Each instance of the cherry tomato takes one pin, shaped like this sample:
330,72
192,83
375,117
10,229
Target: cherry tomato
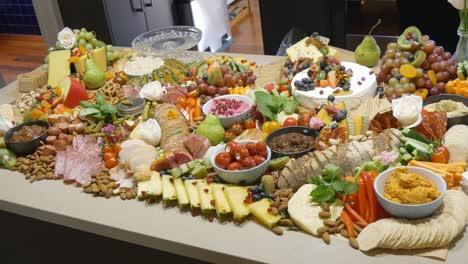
231,148
290,121
108,156
249,124
248,163
107,149
270,126
251,147
269,87
444,150
261,148
237,129
223,160
242,153
439,157
258,159
111,163
234,166
116,148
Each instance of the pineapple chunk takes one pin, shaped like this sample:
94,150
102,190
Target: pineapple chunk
181,193
235,196
151,187
357,120
324,116
260,210
221,204
192,191
169,192
206,196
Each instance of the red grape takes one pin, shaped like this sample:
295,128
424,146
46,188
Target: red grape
412,88
432,58
446,55
428,84
440,76
439,50
243,77
426,65
440,86
451,61
251,79
223,90
211,90
395,71
199,81
452,69
420,82
446,76
443,65
224,69
202,88
428,46
435,66
249,72
434,91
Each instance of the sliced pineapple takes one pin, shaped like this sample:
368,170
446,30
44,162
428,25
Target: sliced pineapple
221,203
206,197
260,210
192,191
169,192
181,193
150,188
235,196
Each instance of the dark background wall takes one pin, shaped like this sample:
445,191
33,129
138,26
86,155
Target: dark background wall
18,17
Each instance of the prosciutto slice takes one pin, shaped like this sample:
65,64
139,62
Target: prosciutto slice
80,161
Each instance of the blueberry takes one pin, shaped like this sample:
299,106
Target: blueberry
411,57
340,116
309,73
315,34
398,76
255,190
334,126
326,69
256,197
205,76
271,196
290,72
342,68
184,178
346,86
331,98
345,112
299,84
322,65
263,195
306,80
310,86
415,37
381,95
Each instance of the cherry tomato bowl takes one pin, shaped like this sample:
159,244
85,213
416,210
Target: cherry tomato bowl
242,176
228,121
307,131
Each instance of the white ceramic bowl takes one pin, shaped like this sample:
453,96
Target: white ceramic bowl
228,121
244,177
410,211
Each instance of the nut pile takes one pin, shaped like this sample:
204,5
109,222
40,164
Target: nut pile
28,100
36,167
105,186
279,205
336,227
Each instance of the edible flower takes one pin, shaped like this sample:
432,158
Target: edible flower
108,129
342,76
66,38
172,114
387,157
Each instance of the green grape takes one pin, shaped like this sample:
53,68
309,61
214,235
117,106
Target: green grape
89,46
82,42
57,45
109,54
83,30
89,36
100,44
406,86
393,81
419,72
45,67
82,35
93,42
50,49
109,47
404,80
76,31
46,60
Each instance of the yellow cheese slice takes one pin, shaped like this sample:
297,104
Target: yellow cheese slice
99,57
59,67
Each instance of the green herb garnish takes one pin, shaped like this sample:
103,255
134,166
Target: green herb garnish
271,105
100,110
330,185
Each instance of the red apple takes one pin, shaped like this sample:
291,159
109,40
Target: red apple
73,92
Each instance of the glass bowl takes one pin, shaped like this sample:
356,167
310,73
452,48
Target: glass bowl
164,41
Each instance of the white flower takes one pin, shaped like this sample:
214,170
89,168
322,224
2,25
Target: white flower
459,4
67,38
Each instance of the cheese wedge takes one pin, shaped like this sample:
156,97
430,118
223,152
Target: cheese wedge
59,67
100,58
305,214
301,50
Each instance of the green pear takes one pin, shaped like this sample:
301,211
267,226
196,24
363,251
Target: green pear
368,52
93,77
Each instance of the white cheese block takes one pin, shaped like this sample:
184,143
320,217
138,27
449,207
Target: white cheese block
301,50
305,214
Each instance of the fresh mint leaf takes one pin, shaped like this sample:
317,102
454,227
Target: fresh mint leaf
338,186
317,180
88,111
332,173
107,109
290,106
350,187
323,194
266,111
98,116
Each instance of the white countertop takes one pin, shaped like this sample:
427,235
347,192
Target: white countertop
170,230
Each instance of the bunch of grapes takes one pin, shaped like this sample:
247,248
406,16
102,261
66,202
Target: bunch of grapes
432,74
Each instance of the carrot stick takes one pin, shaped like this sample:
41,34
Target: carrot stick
422,165
190,112
371,197
362,198
354,214
348,223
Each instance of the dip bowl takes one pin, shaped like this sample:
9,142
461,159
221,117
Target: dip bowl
410,211
243,177
457,98
228,121
26,147
307,131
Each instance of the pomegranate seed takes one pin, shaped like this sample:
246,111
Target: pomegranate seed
359,82
206,190
321,92
210,218
194,183
212,202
